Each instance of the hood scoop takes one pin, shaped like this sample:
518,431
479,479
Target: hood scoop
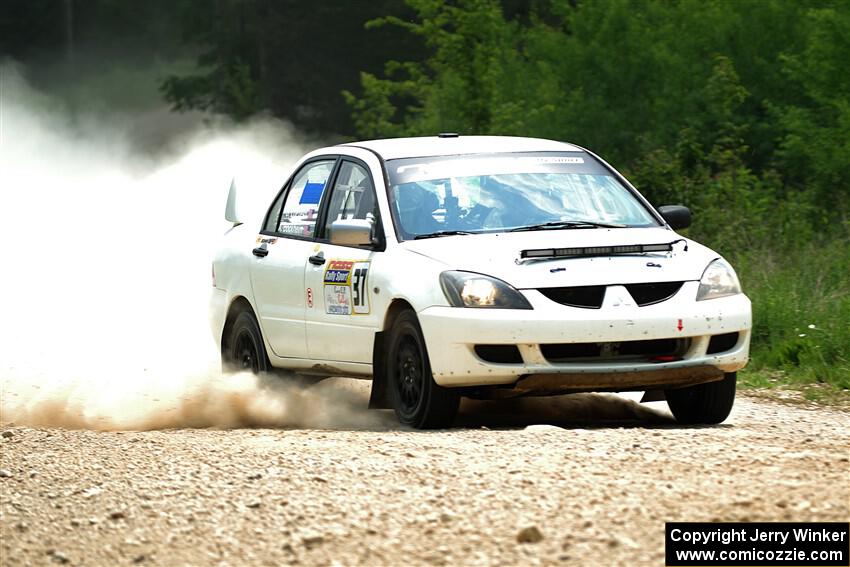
590,251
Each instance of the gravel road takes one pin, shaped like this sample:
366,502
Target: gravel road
589,480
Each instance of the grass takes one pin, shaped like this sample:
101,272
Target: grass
776,385
801,318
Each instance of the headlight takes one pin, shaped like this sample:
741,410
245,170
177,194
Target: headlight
467,289
718,280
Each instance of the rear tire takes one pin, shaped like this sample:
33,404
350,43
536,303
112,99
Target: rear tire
704,403
418,400
244,349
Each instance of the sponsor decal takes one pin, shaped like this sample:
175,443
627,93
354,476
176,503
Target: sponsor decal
339,272
310,297
296,229
338,299
556,159
312,193
346,288
265,240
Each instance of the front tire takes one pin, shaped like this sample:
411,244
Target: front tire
244,350
418,400
704,403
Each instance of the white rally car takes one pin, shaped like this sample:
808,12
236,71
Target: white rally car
487,267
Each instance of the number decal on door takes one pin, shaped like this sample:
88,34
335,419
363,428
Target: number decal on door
346,287
359,290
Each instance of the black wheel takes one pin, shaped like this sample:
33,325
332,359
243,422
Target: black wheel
418,400
704,403
244,349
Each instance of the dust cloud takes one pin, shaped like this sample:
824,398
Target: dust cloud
106,273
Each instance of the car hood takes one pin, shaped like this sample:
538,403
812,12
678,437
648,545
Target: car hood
497,255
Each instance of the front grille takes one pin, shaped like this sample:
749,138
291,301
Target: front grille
588,297
650,293
591,296
500,354
722,343
658,350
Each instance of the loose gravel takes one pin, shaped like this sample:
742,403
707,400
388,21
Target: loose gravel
560,482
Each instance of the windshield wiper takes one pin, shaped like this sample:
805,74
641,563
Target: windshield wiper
566,224
441,233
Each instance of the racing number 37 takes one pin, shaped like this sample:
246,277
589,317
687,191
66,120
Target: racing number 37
359,293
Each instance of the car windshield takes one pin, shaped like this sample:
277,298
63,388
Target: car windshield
438,196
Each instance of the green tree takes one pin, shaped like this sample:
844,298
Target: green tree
457,88
815,149
289,58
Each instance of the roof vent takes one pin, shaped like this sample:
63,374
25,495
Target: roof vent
448,135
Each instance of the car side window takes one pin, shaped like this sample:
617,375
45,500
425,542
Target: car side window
301,201
353,196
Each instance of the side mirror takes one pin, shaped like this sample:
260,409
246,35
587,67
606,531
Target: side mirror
676,216
351,232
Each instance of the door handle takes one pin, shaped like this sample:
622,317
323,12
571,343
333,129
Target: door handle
318,259
260,251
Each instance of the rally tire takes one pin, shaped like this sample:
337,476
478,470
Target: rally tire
417,400
244,350
707,403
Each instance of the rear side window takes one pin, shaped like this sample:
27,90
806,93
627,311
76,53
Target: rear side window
301,201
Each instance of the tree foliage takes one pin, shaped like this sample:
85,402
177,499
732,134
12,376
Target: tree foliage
714,103
287,57
815,146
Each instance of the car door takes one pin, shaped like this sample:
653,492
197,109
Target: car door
341,314
281,252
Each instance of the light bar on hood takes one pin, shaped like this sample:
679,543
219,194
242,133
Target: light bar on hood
595,250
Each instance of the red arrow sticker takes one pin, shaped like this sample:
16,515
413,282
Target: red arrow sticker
680,326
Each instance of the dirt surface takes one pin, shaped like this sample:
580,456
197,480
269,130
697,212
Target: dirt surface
594,488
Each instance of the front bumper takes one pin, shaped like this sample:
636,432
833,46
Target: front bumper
451,335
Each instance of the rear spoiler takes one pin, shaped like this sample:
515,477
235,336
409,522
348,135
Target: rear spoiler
231,213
